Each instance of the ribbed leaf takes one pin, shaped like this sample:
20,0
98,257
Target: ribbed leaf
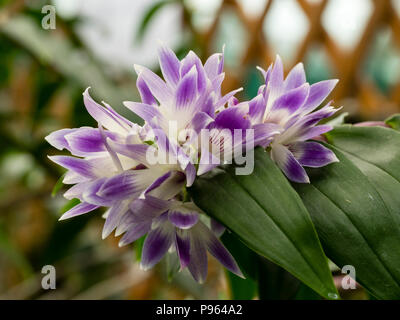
267,214
355,225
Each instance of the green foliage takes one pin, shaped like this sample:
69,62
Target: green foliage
354,206
394,122
268,215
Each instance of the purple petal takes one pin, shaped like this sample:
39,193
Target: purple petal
217,228
134,232
292,100
169,65
137,152
192,60
183,219
296,77
200,121
314,132
288,164
257,109
198,265
72,177
182,242
114,216
318,93
157,86
276,76
264,133
221,102
157,243
208,161
158,182
57,138
145,92
89,195
187,90
211,66
76,191
170,187
145,111
217,249
312,154
86,140
126,184
103,115
78,210
233,118
148,208
190,172
79,166
110,150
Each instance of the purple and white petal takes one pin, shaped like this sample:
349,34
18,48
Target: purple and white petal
183,218
145,111
145,93
217,249
182,244
186,92
264,133
79,166
211,66
78,210
318,94
103,116
288,164
89,195
148,208
126,184
312,154
192,60
296,77
86,140
290,102
198,264
134,232
57,139
169,65
156,85
274,78
113,217
157,243
217,228
257,108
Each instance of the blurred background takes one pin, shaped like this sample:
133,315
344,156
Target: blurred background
43,73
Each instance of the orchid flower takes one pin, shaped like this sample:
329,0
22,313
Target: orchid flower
112,165
286,107
185,103
101,177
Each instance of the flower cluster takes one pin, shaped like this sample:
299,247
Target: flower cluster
140,173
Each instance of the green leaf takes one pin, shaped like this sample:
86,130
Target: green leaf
57,187
275,283
269,217
394,121
241,289
354,224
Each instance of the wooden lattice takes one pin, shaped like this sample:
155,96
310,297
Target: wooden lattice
346,64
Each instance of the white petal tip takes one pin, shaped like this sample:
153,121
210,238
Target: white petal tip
138,68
